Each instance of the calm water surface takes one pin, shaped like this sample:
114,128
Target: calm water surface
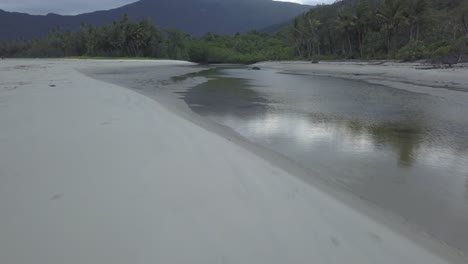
404,151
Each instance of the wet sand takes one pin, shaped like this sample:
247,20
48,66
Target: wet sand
92,172
408,76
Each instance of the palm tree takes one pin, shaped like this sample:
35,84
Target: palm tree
177,41
90,37
297,36
464,17
346,22
391,14
312,24
363,18
135,39
417,14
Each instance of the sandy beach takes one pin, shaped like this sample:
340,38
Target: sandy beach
93,172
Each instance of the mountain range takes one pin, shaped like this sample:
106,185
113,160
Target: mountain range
195,17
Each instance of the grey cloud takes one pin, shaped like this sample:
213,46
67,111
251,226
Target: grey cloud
66,7
310,2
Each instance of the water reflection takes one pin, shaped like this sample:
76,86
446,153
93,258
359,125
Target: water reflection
403,151
405,138
466,187
349,136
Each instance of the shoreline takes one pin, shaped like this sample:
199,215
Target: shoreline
167,98
405,76
262,173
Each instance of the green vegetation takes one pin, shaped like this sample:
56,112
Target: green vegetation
349,29
142,39
383,29
246,48
106,58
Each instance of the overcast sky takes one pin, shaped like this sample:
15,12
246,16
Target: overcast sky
70,7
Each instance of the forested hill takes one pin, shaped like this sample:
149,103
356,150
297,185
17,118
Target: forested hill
195,17
435,30
365,29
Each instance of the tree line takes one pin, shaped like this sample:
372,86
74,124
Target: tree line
127,38
381,29
347,29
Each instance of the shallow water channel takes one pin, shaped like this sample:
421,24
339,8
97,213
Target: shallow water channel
406,152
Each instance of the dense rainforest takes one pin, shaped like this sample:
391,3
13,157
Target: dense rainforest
349,29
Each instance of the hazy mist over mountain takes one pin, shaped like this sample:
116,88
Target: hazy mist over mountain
73,7
195,17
